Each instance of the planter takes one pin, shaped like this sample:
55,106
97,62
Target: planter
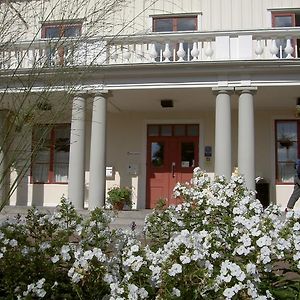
118,206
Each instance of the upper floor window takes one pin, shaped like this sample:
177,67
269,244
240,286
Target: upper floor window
50,159
61,29
181,23
287,149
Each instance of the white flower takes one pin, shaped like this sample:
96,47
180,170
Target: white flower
185,259
176,292
13,243
65,252
175,269
264,241
55,259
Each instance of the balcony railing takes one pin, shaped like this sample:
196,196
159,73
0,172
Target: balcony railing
153,48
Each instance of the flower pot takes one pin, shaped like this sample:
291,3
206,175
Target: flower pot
118,206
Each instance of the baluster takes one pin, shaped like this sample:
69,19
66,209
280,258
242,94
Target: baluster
208,50
259,49
289,49
195,52
114,54
181,52
167,53
152,52
126,53
274,49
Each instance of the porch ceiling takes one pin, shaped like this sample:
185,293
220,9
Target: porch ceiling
197,99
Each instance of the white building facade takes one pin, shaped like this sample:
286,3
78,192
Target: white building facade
144,97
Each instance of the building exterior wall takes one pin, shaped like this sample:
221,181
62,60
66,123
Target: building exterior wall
135,15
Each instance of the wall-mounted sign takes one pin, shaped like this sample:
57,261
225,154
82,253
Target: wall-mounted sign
208,151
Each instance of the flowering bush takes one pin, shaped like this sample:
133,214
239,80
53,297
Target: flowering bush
218,244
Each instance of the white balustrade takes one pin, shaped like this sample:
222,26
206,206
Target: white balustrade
209,51
289,49
181,53
152,48
274,49
167,53
259,50
195,52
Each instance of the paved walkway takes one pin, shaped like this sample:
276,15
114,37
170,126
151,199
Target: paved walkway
124,219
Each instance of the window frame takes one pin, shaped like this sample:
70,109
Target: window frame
51,175
277,179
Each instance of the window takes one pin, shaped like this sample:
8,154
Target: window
171,24
164,24
57,30
286,19
287,149
50,159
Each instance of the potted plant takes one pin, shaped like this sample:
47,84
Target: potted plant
119,196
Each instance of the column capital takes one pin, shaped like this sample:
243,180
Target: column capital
222,90
99,93
246,89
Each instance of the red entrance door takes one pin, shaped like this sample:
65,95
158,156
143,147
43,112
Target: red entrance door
171,157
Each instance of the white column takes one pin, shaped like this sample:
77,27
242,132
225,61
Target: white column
246,157
98,153
77,153
223,132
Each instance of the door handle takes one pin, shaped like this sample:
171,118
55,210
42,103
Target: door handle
173,169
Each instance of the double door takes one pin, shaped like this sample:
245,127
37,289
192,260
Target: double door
171,159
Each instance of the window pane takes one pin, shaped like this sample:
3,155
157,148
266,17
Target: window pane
193,130
283,21
286,132
166,130
186,24
52,32
153,130
70,31
61,154
286,172
287,151
187,155
40,173
179,130
163,25
157,154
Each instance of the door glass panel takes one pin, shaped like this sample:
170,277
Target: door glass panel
179,130
166,130
193,130
153,130
187,155
157,154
